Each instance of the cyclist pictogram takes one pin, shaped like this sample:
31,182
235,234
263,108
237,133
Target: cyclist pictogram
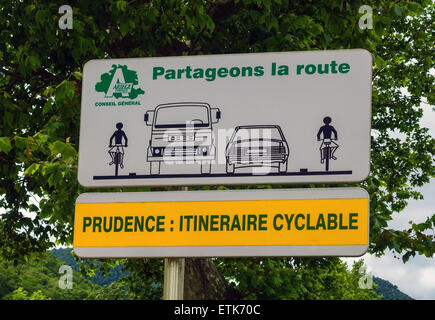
116,150
328,147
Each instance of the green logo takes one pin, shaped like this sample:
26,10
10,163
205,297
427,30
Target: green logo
119,82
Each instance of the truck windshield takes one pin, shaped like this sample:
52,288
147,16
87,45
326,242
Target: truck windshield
182,116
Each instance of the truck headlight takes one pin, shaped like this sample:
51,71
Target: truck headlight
203,151
157,152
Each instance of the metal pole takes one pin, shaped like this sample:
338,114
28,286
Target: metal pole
173,286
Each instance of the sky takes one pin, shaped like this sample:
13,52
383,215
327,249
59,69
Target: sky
416,278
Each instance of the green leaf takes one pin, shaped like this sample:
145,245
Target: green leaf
57,147
210,24
33,62
414,7
67,152
379,62
124,27
32,169
397,10
48,106
301,22
20,142
55,178
29,9
121,5
42,17
77,75
5,145
50,168
65,90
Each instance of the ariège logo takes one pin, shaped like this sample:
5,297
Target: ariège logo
119,82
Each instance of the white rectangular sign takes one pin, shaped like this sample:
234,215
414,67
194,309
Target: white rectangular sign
266,118
223,223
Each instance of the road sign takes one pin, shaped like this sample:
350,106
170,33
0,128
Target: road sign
273,222
274,118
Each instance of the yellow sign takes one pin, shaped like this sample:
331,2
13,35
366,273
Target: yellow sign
280,222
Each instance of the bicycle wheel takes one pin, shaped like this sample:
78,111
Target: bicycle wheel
117,162
326,157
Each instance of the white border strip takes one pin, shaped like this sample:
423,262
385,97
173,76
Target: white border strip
224,195
222,251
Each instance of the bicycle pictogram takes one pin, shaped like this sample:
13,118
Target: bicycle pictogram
116,150
327,147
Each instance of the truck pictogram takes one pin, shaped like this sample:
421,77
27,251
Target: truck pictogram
182,132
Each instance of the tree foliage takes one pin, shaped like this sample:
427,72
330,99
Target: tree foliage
38,279
95,275
21,294
389,291
113,291
302,279
40,85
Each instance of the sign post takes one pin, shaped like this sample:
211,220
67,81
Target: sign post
173,278
173,283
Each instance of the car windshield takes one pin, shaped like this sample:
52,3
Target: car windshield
182,116
257,134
